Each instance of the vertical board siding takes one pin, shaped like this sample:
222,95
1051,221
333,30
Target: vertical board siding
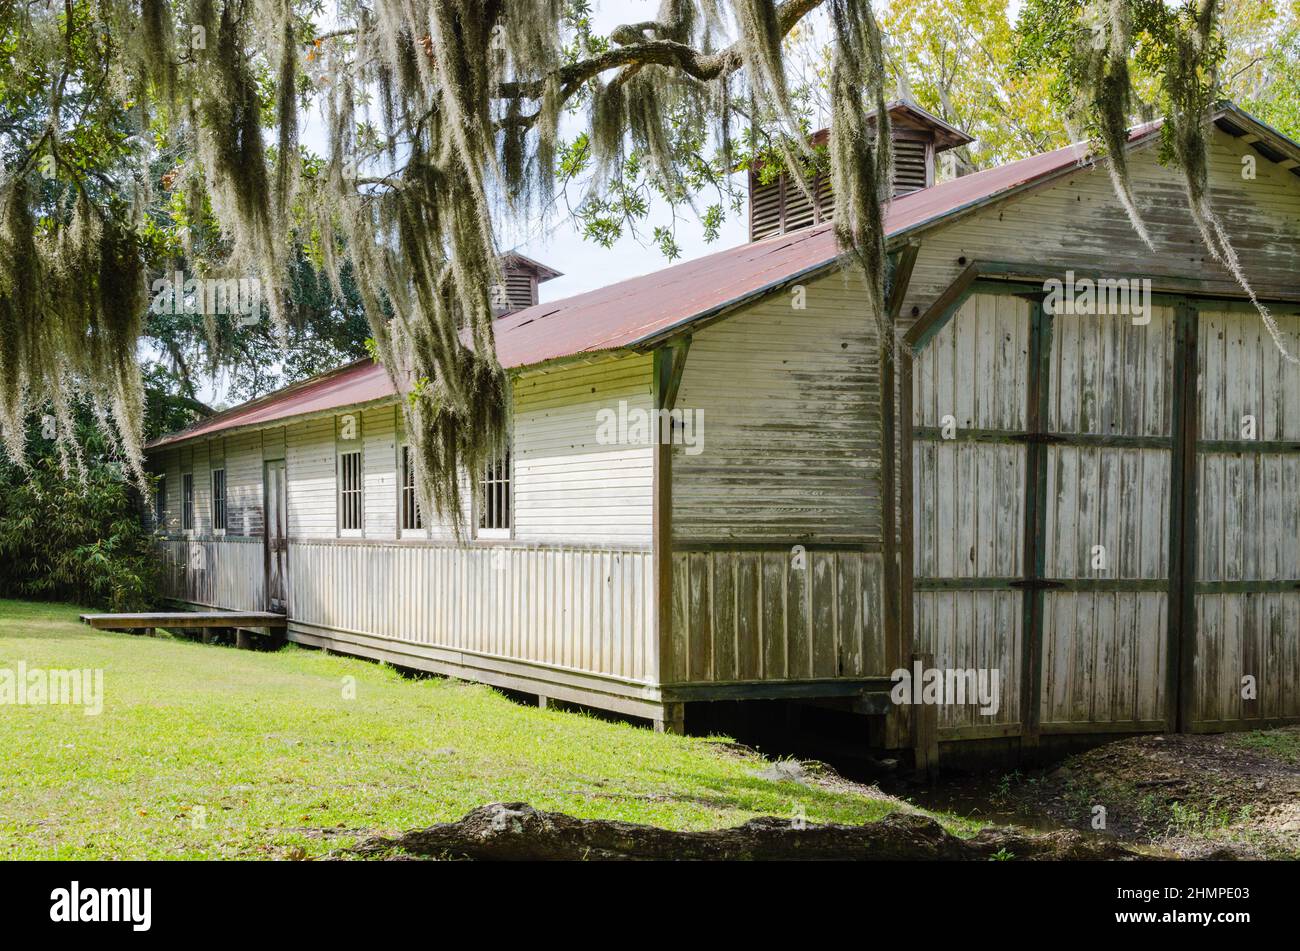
1116,498
1108,465
1110,376
968,501
225,573
1104,651
1104,658
787,404
755,616
569,482
969,510
582,609
974,630
976,369
1248,516
1247,633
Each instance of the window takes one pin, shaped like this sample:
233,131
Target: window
350,504
187,501
219,500
494,485
412,517
160,502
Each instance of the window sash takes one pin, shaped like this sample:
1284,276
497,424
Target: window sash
219,500
350,491
412,517
160,501
187,502
494,491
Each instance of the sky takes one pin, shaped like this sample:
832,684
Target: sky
585,264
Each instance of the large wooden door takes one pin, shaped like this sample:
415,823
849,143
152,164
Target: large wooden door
1246,600
275,491
1108,512
970,417
1104,467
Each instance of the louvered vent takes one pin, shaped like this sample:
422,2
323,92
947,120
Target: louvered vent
910,166
782,206
518,292
521,288
779,206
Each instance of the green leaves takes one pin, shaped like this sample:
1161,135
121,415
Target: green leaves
71,539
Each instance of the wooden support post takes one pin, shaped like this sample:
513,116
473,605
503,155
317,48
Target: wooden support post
925,727
542,702
672,720
669,362
898,638
243,639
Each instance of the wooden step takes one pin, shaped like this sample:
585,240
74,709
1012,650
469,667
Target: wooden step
130,622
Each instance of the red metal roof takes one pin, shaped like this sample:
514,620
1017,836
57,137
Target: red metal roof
638,309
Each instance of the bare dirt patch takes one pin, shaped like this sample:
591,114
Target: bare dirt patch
1231,795
517,832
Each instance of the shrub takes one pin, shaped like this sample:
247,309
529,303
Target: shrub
73,539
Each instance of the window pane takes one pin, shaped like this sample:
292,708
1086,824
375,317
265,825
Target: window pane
187,501
350,490
219,499
494,487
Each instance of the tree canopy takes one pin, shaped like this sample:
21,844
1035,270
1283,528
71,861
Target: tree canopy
143,137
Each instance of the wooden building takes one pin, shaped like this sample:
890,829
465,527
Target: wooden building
1102,508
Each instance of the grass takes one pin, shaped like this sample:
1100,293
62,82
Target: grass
211,752
1281,745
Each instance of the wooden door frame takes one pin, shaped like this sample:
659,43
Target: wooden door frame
282,509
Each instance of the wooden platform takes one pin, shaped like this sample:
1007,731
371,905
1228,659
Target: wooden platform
132,622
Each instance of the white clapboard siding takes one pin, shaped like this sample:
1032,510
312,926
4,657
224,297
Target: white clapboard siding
568,484
310,469
790,423
574,608
244,484
1078,220
167,464
379,438
199,456
273,442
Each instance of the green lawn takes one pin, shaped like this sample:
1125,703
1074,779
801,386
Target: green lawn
211,752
